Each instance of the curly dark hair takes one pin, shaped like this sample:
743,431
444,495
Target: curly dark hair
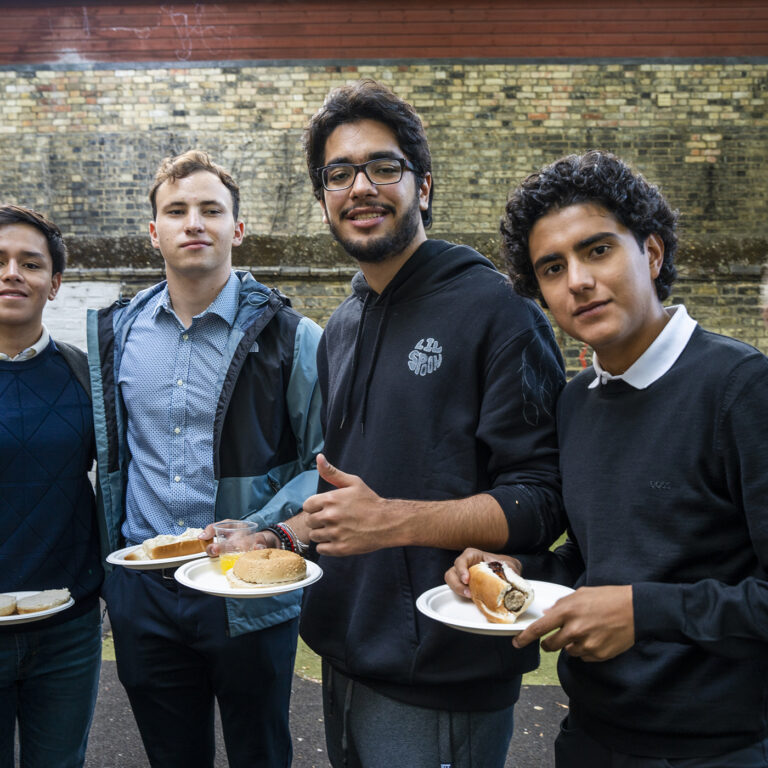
368,100
594,177
17,214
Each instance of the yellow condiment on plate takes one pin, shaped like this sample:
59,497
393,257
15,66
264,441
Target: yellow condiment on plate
228,559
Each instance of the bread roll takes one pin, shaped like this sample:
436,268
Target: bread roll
7,605
500,593
42,601
262,567
166,545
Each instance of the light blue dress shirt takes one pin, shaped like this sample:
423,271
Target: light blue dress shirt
167,378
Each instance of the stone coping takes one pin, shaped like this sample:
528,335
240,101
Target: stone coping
320,257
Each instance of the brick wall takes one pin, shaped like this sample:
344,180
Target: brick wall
81,142
85,141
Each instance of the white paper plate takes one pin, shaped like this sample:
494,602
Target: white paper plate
23,618
445,606
207,577
118,558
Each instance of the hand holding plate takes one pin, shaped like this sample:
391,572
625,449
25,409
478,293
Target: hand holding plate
594,623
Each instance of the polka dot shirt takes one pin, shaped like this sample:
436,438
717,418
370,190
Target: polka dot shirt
169,378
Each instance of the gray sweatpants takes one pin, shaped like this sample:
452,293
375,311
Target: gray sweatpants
364,729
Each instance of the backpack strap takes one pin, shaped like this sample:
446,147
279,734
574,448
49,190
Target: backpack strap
77,360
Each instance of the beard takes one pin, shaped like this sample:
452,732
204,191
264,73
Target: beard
374,250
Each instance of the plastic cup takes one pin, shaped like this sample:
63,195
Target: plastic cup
233,538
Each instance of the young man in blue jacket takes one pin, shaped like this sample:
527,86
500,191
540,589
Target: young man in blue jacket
49,537
665,481
439,385
207,407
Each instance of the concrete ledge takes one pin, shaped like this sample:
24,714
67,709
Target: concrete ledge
319,257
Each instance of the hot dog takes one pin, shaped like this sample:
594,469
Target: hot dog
500,594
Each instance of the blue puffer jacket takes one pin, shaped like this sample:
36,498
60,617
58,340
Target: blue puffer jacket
266,430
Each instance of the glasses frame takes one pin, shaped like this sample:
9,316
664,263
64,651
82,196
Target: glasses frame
405,165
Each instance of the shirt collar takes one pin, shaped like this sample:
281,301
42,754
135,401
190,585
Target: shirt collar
224,305
658,358
35,349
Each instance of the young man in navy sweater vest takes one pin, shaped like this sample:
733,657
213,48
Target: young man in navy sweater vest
49,669
665,482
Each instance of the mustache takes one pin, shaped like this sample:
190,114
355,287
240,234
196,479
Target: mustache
380,206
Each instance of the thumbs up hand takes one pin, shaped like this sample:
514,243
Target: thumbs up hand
335,476
350,519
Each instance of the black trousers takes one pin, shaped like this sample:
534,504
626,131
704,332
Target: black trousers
575,748
174,658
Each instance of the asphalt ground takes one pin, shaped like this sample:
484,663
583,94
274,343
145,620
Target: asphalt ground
115,742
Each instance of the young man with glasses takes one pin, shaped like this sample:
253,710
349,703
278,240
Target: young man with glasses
439,385
665,481
205,390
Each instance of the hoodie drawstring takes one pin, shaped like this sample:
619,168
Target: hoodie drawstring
374,358
355,361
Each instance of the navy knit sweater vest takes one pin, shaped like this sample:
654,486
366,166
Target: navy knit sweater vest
48,530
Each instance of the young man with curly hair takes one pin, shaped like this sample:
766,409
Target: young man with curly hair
665,481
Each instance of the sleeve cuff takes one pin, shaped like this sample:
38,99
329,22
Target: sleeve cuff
659,612
524,524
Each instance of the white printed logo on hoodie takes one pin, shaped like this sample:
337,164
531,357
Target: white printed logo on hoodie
425,357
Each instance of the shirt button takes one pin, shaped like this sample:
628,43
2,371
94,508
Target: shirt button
185,336
180,522
179,382
177,479
177,430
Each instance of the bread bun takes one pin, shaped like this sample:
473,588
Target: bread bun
500,593
7,605
42,601
166,545
261,567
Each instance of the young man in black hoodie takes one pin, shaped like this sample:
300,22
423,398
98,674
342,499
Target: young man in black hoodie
665,481
439,385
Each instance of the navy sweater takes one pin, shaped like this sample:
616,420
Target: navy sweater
48,531
441,387
666,489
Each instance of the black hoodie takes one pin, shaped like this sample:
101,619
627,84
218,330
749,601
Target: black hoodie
442,386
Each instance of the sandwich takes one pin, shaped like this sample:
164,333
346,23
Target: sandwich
166,545
500,594
42,601
265,567
7,605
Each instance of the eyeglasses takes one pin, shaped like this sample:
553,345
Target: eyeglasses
383,170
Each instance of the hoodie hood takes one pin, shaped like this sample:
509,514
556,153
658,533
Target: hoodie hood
433,263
